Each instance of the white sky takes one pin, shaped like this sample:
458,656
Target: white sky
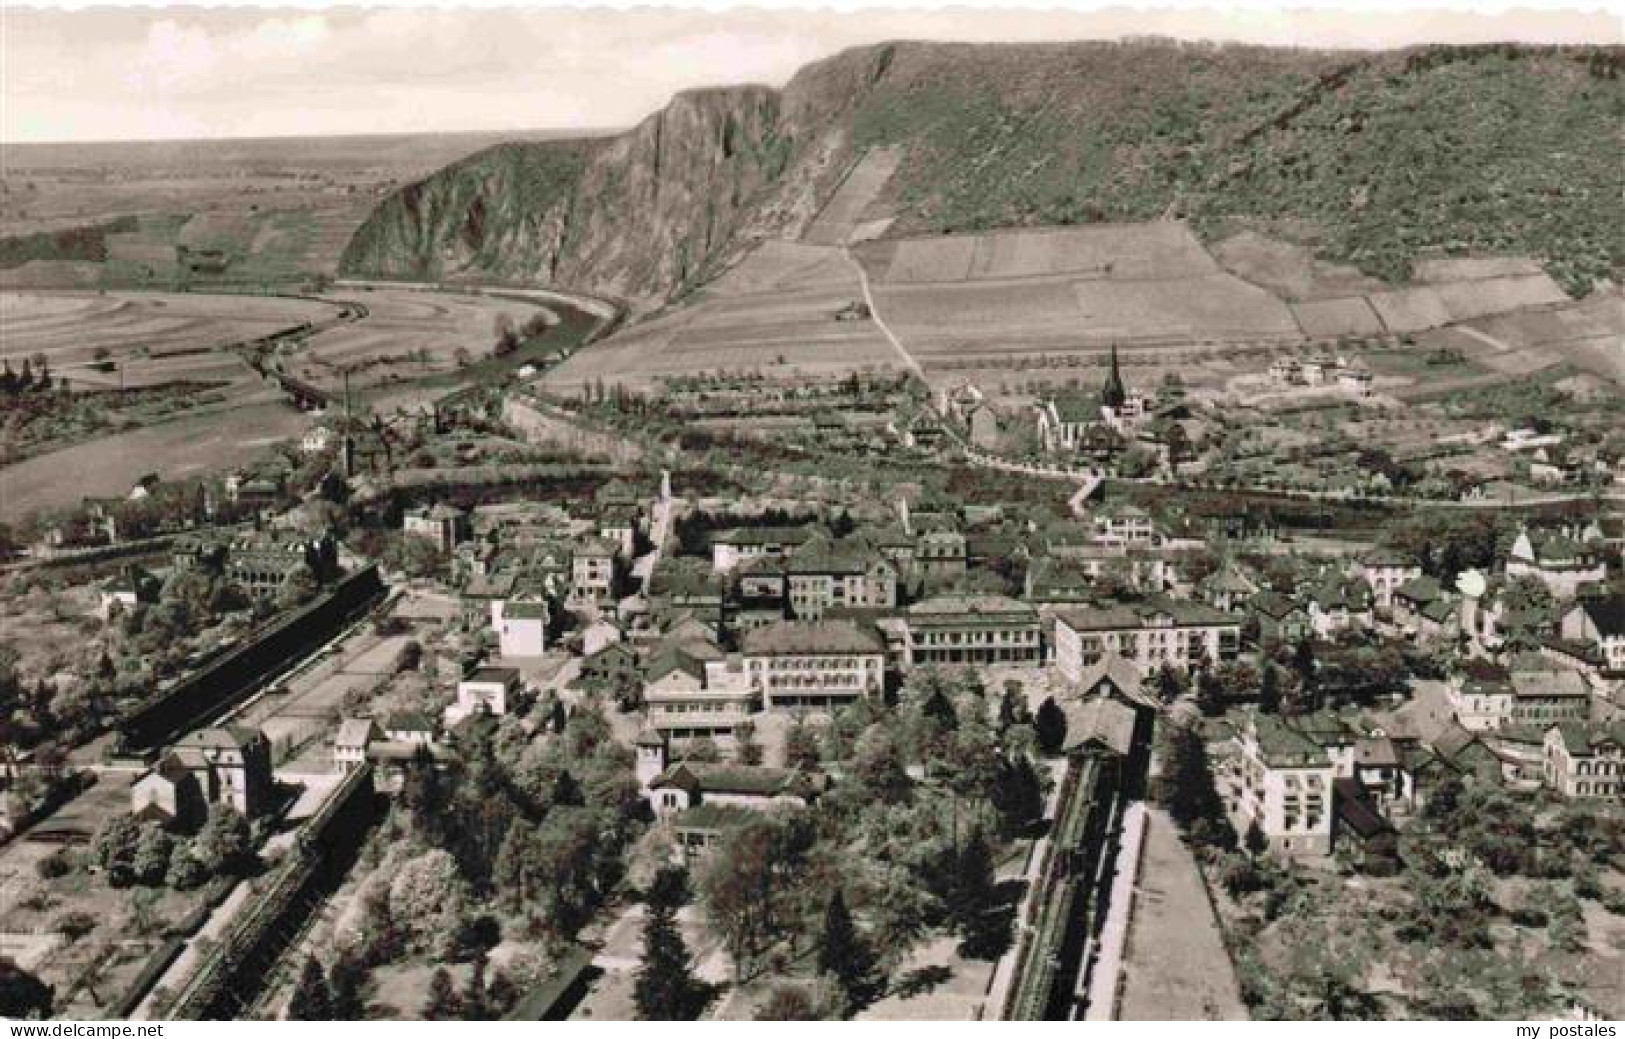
118,74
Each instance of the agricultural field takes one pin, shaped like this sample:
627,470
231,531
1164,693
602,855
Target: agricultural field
962,301
407,334
774,313
153,337
203,441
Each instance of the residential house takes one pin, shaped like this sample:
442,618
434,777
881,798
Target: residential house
1362,831
730,548
823,575
169,794
1544,692
940,551
1280,618
130,587
1385,570
614,666
521,627
1480,694
1228,588
1423,609
232,765
443,526
1337,606
1126,525
1600,623
355,735
485,690
595,572
413,728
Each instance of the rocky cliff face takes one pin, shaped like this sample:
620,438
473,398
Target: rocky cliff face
641,216
1231,138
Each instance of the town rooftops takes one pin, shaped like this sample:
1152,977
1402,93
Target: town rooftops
595,547
1127,616
1282,746
1606,614
746,780
1583,739
1274,605
1076,407
1530,685
525,609
1376,752
960,609
793,638
1420,590
1229,578
1356,811
503,675
1100,720
408,721
356,732
764,536
712,818
439,511
1386,558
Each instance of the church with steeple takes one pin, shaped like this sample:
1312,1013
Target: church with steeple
1071,421
1120,409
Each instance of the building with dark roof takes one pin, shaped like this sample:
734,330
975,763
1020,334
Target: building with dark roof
966,629
814,664
1151,633
1284,788
1600,622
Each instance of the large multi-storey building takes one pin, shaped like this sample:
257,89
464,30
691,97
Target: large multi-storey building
989,629
1284,787
692,689
814,664
729,548
822,577
1585,760
595,572
1153,633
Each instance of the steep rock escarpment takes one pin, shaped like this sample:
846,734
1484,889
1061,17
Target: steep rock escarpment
1371,159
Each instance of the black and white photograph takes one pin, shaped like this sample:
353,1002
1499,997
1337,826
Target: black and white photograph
889,515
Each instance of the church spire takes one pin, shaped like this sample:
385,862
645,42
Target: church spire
1112,395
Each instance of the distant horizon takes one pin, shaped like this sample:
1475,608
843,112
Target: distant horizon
556,132
173,75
